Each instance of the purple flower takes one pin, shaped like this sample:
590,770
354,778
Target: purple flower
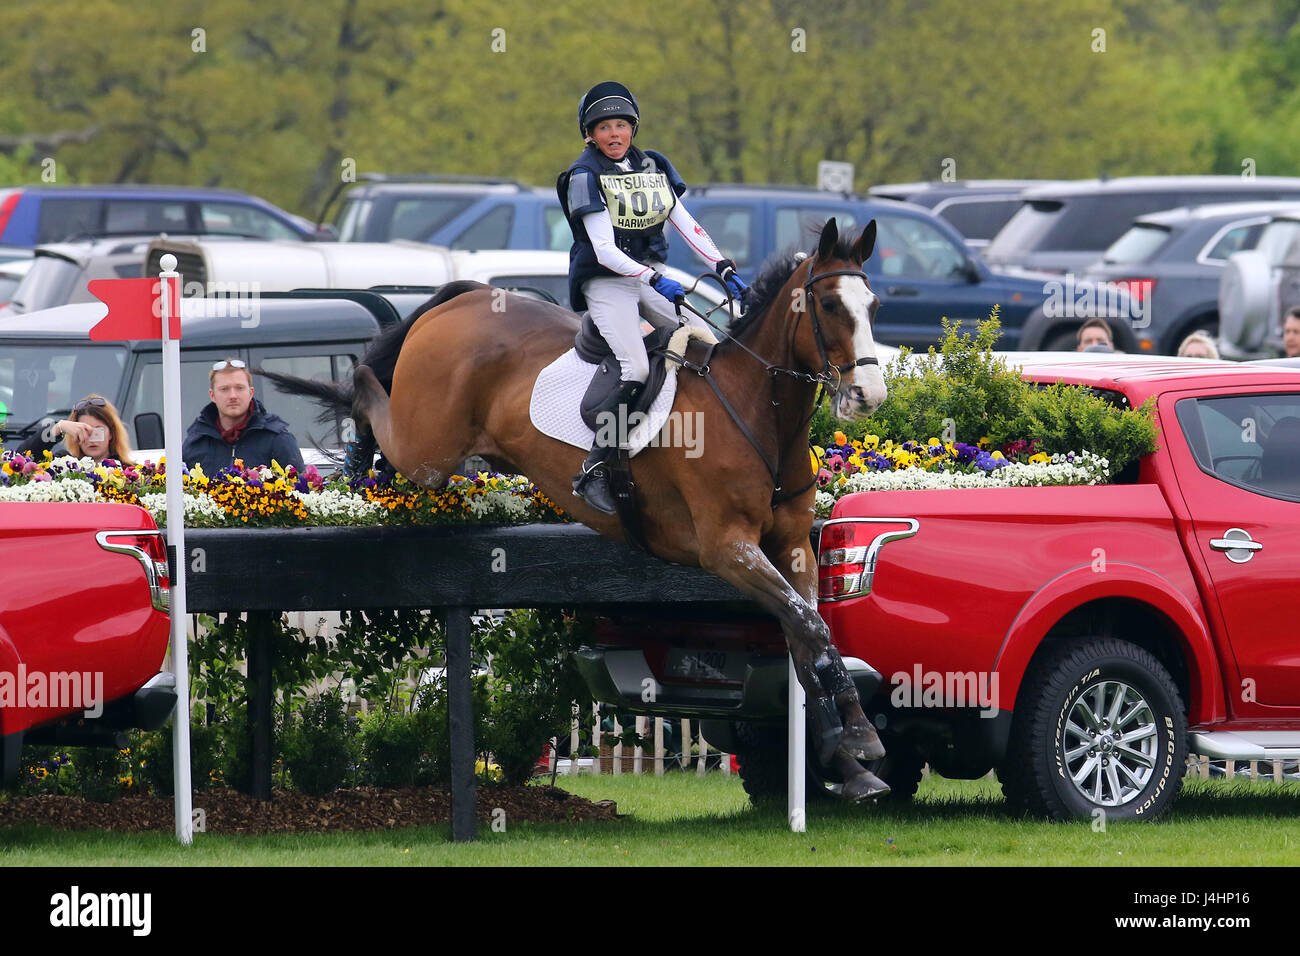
42,476
966,453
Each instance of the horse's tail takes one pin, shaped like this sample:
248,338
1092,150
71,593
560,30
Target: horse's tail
363,404
381,356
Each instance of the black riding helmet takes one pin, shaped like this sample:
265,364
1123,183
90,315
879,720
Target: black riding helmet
608,100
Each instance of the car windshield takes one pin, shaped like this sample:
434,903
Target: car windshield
1138,244
39,379
50,282
1023,231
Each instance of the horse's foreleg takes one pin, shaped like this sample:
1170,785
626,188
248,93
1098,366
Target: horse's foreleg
817,664
798,565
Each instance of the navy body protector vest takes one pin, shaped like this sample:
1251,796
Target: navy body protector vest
638,202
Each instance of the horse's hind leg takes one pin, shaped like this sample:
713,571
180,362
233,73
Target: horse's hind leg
427,454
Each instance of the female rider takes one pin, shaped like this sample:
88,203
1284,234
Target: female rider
617,199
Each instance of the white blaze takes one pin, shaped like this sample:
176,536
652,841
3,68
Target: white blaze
858,300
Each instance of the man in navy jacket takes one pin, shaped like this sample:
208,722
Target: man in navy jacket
236,425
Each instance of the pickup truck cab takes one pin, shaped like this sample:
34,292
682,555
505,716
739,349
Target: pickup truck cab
83,625
1084,640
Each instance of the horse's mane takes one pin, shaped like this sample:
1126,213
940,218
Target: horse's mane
773,276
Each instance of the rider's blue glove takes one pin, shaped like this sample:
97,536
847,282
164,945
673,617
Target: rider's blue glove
670,289
726,270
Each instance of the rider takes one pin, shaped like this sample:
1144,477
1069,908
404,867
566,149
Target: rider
617,199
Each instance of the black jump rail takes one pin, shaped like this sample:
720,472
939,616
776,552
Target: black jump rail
454,569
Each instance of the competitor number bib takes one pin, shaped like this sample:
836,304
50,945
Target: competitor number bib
637,200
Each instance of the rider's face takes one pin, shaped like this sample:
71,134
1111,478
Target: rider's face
612,137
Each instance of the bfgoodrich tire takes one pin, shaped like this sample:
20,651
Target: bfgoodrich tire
1099,726
761,752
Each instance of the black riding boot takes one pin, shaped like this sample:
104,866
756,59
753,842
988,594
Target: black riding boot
592,483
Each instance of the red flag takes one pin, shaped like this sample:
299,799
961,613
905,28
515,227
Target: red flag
134,309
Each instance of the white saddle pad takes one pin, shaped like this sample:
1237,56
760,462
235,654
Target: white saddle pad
557,397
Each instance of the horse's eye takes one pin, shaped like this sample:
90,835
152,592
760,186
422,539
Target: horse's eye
830,305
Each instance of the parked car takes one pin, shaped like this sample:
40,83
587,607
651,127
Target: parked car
58,273
48,362
1120,628
1066,228
1258,287
459,212
217,265
98,668
12,272
1172,261
34,215
976,208
920,268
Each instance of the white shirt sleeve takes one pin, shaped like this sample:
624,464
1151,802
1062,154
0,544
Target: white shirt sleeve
600,230
694,234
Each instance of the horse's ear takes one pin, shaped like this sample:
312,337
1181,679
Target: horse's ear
866,243
830,236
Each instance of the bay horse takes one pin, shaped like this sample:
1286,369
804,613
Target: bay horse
456,381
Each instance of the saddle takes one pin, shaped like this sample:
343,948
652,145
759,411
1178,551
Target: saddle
592,347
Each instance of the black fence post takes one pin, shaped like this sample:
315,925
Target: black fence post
261,628
460,725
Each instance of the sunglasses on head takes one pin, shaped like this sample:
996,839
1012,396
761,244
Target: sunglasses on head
87,402
229,363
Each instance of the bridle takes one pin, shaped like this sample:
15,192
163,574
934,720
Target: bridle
829,378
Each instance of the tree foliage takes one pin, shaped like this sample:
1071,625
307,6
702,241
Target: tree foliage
285,101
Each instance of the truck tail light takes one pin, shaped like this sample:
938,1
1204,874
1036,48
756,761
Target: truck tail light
150,549
848,551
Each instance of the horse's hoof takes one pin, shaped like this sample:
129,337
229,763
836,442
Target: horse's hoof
862,741
863,786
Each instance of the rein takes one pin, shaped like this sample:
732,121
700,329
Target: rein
823,378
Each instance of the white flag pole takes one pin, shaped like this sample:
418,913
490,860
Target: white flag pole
176,547
796,775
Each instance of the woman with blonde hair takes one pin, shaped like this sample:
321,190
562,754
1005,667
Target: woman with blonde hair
1198,345
95,431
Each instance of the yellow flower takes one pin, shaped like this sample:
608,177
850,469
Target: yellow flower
811,454
996,454
870,441
1039,459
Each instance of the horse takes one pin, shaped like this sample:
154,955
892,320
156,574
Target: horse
751,526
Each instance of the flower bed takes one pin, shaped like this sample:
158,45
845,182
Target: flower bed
847,467
277,497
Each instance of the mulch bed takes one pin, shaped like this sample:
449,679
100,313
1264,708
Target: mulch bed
365,808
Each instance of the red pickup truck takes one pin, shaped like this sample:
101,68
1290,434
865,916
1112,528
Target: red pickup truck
84,591
1080,640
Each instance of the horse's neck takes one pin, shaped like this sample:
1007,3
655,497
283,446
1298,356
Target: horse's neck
772,338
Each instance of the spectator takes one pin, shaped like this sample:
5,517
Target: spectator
1095,332
236,425
1198,345
95,431
1291,333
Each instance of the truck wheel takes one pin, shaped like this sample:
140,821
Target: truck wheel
761,752
1100,727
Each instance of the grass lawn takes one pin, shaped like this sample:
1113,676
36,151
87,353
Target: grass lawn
680,820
